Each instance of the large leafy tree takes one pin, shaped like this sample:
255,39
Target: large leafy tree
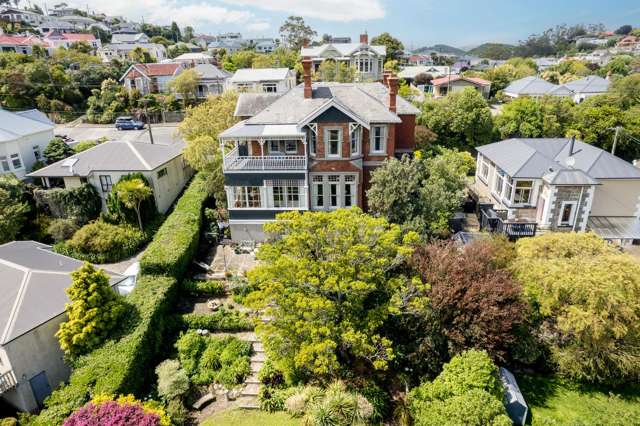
502,75
93,312
588,297
331,71
186,84
468,391
13,209
477,303
525,117
132,193
461,120
201,128
57,150
395,48
295,31
328,282
420,193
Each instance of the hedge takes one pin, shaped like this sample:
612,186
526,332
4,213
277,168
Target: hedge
204,288
176,242
119,366
221,320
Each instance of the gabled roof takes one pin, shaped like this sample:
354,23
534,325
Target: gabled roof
132,46
445,80
530,86
113,156
536,157
154,70
20,40
569,177
344,49
192,56
16,125
253,75
249,104
415,70
33,280
128,38
209,71
57,35
590,84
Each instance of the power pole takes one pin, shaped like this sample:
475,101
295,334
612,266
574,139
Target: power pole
146,114
615,140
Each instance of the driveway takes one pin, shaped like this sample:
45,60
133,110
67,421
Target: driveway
163,134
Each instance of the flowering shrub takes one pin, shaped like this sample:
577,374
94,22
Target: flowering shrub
103,410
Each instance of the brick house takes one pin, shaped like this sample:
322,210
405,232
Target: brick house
150,78
313,148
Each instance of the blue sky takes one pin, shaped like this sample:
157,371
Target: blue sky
415,22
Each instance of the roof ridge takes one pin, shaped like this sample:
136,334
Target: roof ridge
16,306
137,154
602,151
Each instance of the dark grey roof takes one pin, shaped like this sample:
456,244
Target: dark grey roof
590,84
530,86
208,71
113,156
534,158
570,177
249,104
33,280
366,100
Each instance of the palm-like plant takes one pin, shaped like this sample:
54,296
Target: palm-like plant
132,193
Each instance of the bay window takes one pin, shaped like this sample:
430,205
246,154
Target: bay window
498,185
330,192
522,194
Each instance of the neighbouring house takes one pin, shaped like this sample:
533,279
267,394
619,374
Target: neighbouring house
268,80
56,25
23,138
411,72
559,185
20,44
228,45
62,9
103,165
82,23
368,60
628,43
442,86
544,64
249,104
212,81
338,40
312,148
194,58
125,38
121,51
20,16
418,59
535,87
263,45
33,280
150,78
57,39
587,87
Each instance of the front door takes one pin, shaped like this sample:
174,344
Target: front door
40,387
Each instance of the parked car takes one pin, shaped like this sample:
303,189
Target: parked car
128,123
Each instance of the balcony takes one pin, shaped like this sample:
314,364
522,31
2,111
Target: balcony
7,381
235,162
496,221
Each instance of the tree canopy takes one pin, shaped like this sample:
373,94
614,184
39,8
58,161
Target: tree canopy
13,209
395,48
328,281
526,117
294,32
57,150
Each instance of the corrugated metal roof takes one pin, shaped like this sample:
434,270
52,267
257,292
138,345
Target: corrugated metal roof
243,131
590,84
15,125
530,86
259,74
344,49
33,280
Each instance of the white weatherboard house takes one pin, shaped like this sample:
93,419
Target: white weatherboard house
23,137
102,166
367,59
558,184
267,80
535,87
33,280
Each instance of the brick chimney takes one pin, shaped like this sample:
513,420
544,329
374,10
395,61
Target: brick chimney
306,66
364,38
385,78
393,92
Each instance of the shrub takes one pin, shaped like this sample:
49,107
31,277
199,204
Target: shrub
119,212
123,411
587,296
84,145
468,382
62,229
221,320
270,376
57,150
178,413
172,380
204,288
101,242
273,399
82,203
93,312
176,242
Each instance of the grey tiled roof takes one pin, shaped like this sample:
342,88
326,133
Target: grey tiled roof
249,104
367,100
345,49
530,86
113,156
33,280
569,177
208,71
590,84
536,157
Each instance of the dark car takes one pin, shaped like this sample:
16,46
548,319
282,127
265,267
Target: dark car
128,123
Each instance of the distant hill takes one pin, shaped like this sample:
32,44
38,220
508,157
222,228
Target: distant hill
440,48
494,51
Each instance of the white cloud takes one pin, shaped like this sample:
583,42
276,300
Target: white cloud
258,26
328,10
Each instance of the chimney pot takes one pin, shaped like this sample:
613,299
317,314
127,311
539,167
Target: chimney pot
393,92
306,66
385,77
364,38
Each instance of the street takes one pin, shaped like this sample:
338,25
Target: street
163,134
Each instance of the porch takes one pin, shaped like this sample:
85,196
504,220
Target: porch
496,221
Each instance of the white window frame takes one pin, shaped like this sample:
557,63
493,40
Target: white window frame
317,182
484,163
277,144
501,178
241,198
106,183
383,139
295,146
355,144
162,173
4,161
270,87
327,133
530,189
15,157
321,186
574,211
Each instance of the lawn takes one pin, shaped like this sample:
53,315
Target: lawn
241,417
554,402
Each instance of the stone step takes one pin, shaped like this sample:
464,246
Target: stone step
258,357
248,403
256,366
253,379
257,347
251,389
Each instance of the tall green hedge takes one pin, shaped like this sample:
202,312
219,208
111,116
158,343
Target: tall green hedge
176,242
121,365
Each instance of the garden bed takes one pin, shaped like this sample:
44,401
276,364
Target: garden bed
241,417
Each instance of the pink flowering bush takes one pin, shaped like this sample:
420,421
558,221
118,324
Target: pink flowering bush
124,411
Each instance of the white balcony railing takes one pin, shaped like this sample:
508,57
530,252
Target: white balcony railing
7,381
233,161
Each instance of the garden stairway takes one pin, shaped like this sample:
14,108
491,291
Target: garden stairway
249,395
